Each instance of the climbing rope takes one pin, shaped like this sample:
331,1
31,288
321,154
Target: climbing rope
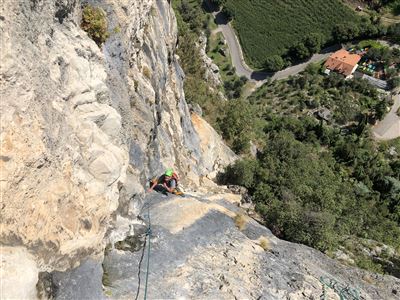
345,292
140,267
148,236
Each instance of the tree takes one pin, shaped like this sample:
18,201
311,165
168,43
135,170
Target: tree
313,42
394,82
380,109
229,13
299,51
240,173
313,68
237,124
274,63
394,32
345,32
217,3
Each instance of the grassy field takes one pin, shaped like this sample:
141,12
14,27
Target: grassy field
268,27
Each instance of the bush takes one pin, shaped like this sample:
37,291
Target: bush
240,221
240,173
264,243
394,82
394,32
274,63
94,22
146,72
345,32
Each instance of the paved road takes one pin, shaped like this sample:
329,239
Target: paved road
242,69
389,127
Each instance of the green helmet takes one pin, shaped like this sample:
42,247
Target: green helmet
169,172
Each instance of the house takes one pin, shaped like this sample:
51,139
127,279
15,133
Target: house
342,62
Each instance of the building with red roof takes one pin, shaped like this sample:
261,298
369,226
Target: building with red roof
342,62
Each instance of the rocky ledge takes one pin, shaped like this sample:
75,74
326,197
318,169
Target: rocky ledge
204,246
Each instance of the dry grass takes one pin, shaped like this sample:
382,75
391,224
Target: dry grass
367,278
264,243
146,72
240,221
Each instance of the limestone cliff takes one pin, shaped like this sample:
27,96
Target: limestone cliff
83,127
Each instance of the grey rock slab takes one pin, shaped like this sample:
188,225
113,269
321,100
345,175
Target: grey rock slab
210,258
83,282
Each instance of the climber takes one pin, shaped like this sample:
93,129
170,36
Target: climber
166,183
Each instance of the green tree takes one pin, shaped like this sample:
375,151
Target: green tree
394,32
345,32
313,42
218,3
238,124
394,82
229,12
274,63
242,173
299,52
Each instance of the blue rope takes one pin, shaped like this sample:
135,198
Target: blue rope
344,292
148,233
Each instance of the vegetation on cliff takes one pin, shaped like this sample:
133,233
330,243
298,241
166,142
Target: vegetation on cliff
191,21
94,22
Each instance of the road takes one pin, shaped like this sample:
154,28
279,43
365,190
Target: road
242,69
389,127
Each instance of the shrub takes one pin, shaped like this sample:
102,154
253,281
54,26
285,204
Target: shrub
241,173
240,221
345,32
146,72
274,63
394,82
264,243
94,22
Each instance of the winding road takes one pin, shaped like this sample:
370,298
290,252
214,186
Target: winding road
387,129
242,69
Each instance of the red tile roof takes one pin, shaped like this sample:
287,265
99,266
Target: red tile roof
342,62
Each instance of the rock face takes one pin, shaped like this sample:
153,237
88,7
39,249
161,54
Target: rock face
212,70
205,247
63,157
82,128
19,273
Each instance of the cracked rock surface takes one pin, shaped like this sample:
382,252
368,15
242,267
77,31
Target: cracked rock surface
197,252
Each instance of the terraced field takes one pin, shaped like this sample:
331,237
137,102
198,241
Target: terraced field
270,27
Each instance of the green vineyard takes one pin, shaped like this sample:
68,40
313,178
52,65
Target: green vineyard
270,27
